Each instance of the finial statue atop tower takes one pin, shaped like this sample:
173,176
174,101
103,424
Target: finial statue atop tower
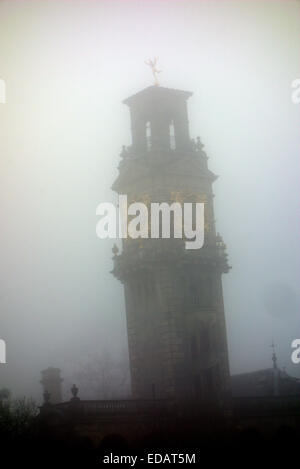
155,72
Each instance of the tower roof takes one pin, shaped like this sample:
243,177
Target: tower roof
154,92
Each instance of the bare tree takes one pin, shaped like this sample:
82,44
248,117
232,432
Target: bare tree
17,416
4,394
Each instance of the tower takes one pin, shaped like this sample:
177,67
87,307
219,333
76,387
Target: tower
51,382
173,296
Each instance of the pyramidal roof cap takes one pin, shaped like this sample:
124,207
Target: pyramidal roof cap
156,92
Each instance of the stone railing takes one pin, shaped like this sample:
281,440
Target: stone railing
104,407
266,405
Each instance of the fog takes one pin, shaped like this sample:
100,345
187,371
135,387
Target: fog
67,66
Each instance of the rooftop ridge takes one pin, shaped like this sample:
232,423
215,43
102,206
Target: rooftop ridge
158,91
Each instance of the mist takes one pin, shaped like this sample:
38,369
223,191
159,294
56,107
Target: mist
67,66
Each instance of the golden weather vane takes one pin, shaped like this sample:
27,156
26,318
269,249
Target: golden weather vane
155,72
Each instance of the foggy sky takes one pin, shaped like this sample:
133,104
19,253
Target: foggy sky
67,67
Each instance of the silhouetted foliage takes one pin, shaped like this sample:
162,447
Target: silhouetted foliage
17,416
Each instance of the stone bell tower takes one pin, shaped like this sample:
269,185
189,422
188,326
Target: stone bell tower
174,300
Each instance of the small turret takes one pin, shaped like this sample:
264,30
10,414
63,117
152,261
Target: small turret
51,382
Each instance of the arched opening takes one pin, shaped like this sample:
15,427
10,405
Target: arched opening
194,294
194,347
172,139
148,136
204,339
